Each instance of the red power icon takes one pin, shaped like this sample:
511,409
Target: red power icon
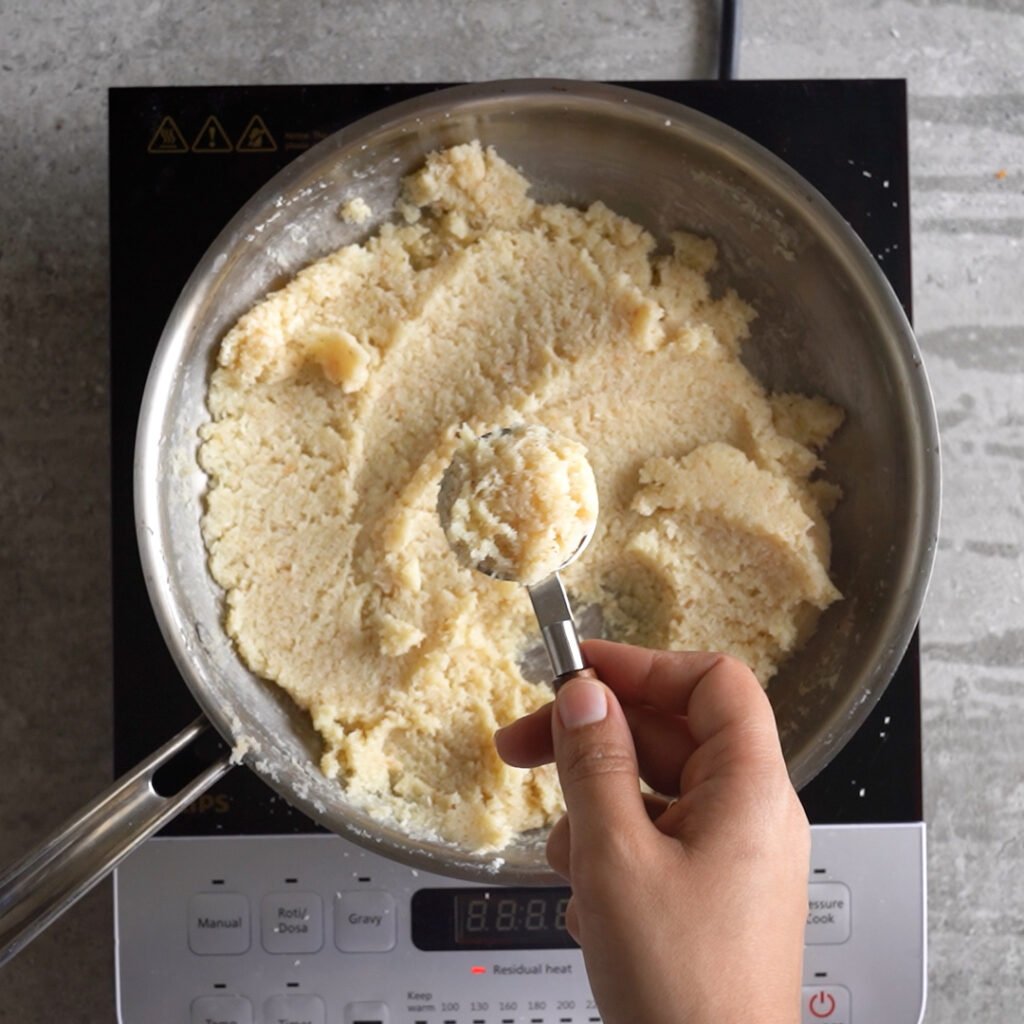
822,1005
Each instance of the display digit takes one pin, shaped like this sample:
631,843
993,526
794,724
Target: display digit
506,919
476,916
560,909
536,912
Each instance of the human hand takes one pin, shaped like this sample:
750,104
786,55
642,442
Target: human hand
691,910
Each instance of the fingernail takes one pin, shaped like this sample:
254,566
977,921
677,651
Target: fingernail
581,702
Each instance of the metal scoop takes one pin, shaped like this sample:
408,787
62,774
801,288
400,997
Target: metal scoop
548,597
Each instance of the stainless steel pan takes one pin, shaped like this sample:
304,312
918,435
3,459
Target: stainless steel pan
829,324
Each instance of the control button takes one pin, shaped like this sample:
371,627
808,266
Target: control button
292,922
367,1013
294,1009
364,921
828,913
218,923
221,1010
822,1004
825,1004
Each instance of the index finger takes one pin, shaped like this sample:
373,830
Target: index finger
713,691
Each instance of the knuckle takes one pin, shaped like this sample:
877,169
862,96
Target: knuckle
595,759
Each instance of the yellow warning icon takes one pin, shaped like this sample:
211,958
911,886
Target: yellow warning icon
212,138
256,138
167,138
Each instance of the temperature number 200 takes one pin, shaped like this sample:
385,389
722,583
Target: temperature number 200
507,914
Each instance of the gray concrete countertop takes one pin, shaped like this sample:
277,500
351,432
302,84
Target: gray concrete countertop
962,61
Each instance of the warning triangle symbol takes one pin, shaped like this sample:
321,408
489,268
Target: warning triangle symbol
256,138
212,138
167,138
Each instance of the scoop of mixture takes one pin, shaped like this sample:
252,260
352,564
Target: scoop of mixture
335,409
518,503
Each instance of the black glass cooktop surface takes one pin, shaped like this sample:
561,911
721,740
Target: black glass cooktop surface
182,162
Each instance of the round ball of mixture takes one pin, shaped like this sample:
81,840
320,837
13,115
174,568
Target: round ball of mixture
518,503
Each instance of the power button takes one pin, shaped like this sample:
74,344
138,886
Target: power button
822,1005
825,1004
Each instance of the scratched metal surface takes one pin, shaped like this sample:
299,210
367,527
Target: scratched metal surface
962,61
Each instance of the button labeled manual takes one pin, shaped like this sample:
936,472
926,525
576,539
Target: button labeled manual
292,922
364,922
828,914
218,923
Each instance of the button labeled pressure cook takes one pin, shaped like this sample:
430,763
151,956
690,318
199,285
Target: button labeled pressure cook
828,913
364,922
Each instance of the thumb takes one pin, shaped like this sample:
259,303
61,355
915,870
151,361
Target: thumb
597,763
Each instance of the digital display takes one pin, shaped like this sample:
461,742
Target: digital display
498,918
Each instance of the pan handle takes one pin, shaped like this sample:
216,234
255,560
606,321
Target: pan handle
64,867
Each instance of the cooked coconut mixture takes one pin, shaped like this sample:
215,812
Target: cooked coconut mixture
518,503
338,402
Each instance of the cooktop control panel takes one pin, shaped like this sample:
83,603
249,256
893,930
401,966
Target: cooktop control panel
311,929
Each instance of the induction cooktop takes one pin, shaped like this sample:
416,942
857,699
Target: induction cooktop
242,909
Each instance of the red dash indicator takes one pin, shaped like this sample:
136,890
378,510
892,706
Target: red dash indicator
475,969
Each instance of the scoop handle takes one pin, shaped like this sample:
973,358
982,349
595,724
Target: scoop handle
37,889
554,616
